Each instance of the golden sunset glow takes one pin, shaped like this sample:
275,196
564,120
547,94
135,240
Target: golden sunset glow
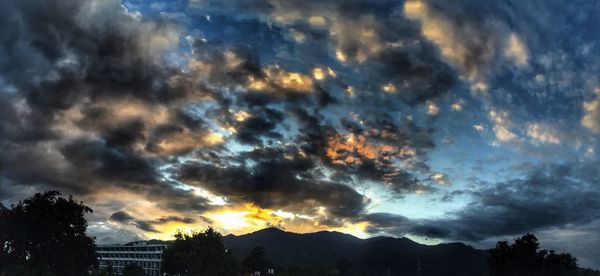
249,217
350,91
290,80
242,219
339,54
241,116
277,77
213,139
256,84
389,88
235,219
129,109
355,229
323,73
318,74
456,106
168,231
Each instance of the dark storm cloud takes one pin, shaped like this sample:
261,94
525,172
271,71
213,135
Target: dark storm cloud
414,68
109,52
89,104
102,160
393,224
278,179
121,217
168,219
234,63
313,134
380,143
95,61
168,196
261,124
89,63
125,218
550,196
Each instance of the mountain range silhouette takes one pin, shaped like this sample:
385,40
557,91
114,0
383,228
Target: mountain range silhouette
355,256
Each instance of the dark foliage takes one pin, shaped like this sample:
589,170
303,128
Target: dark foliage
199,254
256,261
525,258
133,270
45,235
105,271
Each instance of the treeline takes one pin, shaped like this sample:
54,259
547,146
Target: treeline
524,258
45,235
204,254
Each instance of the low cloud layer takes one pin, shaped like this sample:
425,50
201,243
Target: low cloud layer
549,196
123,217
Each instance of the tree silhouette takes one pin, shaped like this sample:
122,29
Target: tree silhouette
105,271
524,258
256,261
198,254
45,235
133,270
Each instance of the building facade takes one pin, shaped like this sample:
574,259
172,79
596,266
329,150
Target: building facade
146,254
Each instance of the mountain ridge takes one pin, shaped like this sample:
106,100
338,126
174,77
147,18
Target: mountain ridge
350,255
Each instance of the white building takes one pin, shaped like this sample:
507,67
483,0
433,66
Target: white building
148,255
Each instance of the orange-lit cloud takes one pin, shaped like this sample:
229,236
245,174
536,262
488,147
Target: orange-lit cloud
352,149
389,88
323,73
277,78
186,141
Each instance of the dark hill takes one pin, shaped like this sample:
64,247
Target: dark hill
286,248
350,255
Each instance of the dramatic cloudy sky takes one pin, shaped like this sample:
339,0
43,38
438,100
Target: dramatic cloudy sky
468,121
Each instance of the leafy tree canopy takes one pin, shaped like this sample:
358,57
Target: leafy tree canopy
105,271
525,258
256,261
199,254
133,270
45,235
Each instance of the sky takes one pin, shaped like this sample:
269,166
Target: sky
471,121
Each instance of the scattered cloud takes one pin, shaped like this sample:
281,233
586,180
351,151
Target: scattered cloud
502,125
591,115
541,133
